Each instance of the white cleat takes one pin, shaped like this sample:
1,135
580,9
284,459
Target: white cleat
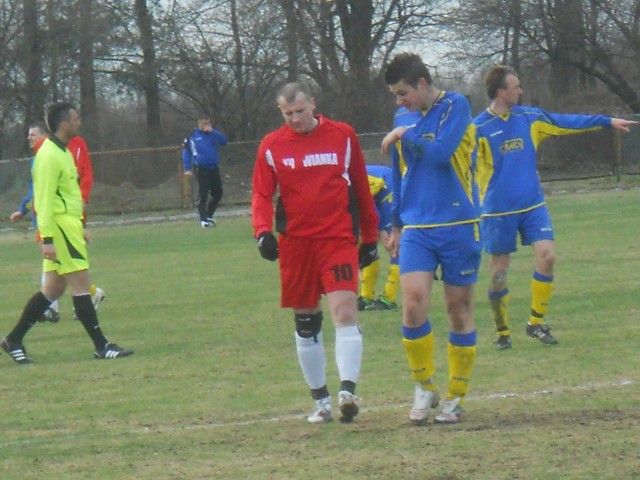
322,411
451,411
423,401
348,406
98,297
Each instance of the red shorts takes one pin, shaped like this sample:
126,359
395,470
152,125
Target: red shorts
312,267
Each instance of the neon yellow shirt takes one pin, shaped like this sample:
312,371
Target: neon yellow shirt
55,185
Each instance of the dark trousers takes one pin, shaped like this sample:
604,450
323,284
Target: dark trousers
209,183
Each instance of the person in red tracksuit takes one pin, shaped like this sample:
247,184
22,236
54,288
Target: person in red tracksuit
324,203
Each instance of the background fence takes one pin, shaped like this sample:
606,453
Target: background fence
152,179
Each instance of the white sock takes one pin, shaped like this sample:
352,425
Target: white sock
312,360
349,352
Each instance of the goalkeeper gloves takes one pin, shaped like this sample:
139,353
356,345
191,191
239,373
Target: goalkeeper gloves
367,254
268,246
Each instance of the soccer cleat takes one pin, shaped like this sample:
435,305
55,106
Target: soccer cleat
423,401
212,221
98,297
348,406
322,411
451,411
503,342
205,224
50,315
383,303
17,352
364,303
110,351
542,333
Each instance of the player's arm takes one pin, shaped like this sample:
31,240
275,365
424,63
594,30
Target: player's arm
360,182
219,137
46,172
450,134
264,182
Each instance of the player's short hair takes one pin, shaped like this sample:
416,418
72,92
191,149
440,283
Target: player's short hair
406,67
40,126
290,91
496,78
58,113
203,116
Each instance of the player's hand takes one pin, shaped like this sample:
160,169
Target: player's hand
49,251
622,124
268,246
393,245
390,138
188,173
367,254
15,216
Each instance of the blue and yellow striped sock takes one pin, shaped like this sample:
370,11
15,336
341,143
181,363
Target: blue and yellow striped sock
461,353
419,344
541,290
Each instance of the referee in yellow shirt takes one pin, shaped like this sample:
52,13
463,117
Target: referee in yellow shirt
58,203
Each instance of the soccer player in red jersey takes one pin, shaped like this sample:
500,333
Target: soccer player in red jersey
324,202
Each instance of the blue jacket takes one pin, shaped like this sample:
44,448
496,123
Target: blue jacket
201,149
26,205
380,184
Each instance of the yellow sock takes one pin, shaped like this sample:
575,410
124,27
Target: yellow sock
541,290
420,347
393,280
461,362
499,307
369,278
92,289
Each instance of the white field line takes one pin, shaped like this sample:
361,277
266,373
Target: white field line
391,406
299,416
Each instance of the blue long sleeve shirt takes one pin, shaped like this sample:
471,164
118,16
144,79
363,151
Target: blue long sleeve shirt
433,174
201,149
507,154
380,179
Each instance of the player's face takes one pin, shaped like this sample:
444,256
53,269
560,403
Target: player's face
408,96
513,91
34,136
204,124
70,127
298,115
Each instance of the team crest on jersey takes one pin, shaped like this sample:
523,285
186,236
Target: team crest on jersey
514,145
320,159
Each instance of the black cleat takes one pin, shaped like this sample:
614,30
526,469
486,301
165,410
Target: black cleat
542,333
503,342
50,315
16,352
110,351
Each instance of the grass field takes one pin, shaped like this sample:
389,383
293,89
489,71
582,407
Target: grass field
214,390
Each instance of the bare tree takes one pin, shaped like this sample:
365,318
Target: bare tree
34,90
88,101
149,77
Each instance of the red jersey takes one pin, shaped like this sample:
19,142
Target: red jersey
78,149
322,181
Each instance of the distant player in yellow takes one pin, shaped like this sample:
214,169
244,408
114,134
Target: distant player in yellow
380,185
59,207
511,194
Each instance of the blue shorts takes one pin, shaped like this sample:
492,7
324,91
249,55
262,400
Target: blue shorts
456,249
499,233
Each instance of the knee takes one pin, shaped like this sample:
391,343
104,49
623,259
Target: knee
308,325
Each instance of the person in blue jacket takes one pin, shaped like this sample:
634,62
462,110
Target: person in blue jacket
200,153
511,195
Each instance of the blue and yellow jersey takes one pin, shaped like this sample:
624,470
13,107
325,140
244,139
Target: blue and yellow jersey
433,173
380,186
507,145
